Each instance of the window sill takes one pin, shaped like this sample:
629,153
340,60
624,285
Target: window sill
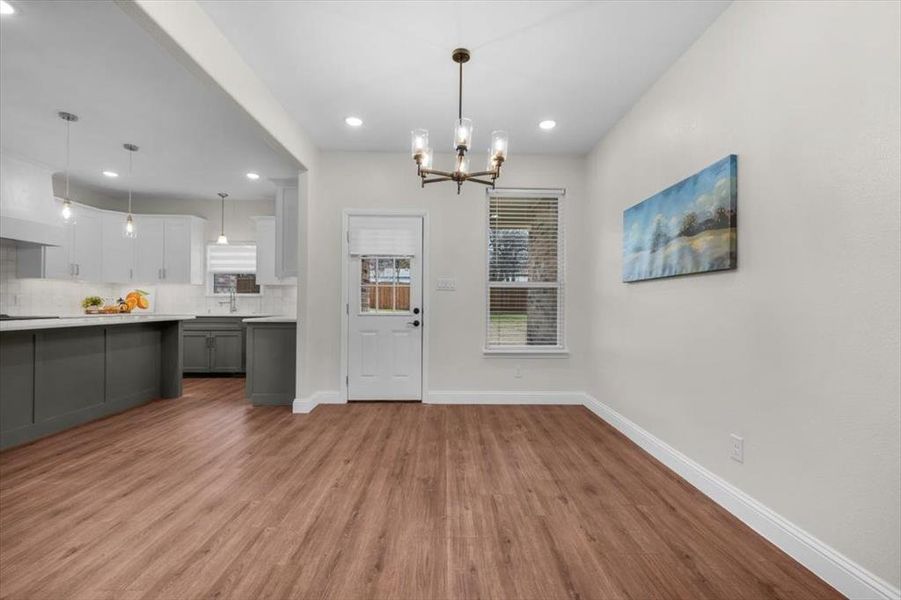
526,352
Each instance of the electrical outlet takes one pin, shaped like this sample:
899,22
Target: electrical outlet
517,372
445,285
738,448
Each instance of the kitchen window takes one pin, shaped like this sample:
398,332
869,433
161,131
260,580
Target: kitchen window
231,269
524,291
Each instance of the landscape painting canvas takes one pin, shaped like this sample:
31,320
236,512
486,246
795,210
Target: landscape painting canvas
689,227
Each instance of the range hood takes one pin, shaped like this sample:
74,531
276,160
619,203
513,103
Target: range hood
28,212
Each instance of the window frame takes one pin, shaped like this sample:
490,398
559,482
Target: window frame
525,194
208,275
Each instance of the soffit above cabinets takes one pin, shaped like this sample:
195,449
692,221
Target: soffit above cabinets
94,60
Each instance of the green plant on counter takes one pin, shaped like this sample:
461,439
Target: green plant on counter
92,301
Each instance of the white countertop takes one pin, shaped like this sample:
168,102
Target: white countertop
236,315
272,320
88,321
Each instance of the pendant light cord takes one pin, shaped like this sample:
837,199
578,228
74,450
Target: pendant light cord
130,162
68,144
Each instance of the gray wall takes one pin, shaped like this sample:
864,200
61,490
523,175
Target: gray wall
797,350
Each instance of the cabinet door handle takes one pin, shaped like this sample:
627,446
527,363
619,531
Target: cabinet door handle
131,274
77,269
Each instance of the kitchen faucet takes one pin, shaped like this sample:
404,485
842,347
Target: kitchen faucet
232,302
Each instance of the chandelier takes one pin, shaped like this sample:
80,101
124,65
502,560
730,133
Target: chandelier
422,153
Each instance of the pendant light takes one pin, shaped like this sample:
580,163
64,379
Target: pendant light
130,220
222,240
66,212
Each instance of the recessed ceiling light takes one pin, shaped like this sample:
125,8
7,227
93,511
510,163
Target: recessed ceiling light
110,174
6,8
354,121
548,124
253,176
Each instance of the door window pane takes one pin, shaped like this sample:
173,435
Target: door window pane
385,284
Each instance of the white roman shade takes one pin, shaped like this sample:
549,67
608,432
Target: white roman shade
233,258
382,242
525,271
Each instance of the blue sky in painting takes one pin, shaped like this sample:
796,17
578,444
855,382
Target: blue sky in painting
701,193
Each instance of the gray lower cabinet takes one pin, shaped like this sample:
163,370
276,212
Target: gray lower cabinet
214,345
271,366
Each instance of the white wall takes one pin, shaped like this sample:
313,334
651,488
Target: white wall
797,350
457,247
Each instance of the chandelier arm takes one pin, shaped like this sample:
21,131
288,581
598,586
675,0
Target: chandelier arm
483,173
482,181
435,172
436,180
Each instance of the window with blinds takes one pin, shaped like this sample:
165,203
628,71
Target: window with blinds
231,268
525,271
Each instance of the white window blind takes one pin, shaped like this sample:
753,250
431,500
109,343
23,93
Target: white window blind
231,258
525,272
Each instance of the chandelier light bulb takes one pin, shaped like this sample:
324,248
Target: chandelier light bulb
419,141
499,145
426,159
463,134
463,164
222,240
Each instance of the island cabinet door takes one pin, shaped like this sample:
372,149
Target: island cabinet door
196,351
228,351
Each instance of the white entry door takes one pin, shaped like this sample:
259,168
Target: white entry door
385,308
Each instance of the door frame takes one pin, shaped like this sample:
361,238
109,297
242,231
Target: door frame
345,292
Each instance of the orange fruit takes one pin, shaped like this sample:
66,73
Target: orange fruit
143,302
132,302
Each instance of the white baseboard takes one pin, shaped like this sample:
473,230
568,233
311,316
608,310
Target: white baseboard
305,405
834,568
505,398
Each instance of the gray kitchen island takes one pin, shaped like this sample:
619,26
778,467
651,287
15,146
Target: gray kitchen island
59,373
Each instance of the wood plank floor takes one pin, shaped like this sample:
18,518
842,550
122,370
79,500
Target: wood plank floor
206,497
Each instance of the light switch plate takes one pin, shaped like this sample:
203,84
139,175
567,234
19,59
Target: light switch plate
445,284
737,452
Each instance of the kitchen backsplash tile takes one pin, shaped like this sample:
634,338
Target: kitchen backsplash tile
60,297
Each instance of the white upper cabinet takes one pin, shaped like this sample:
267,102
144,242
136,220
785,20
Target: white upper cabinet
149,249
266,251
286,216
169,249
87,244
118,250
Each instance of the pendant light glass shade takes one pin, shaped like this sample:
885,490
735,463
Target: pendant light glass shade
462,164
463,134
426,159
498,145
130,227
66,212
419,142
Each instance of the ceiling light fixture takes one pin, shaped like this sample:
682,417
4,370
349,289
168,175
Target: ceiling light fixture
548,124
222,240
422,153
6,8
69,118
130,220
354,121
111,174
253,176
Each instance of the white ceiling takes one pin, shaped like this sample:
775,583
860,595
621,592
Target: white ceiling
92,59
582,64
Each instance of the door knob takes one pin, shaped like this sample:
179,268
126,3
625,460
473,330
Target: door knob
413,323
415,311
